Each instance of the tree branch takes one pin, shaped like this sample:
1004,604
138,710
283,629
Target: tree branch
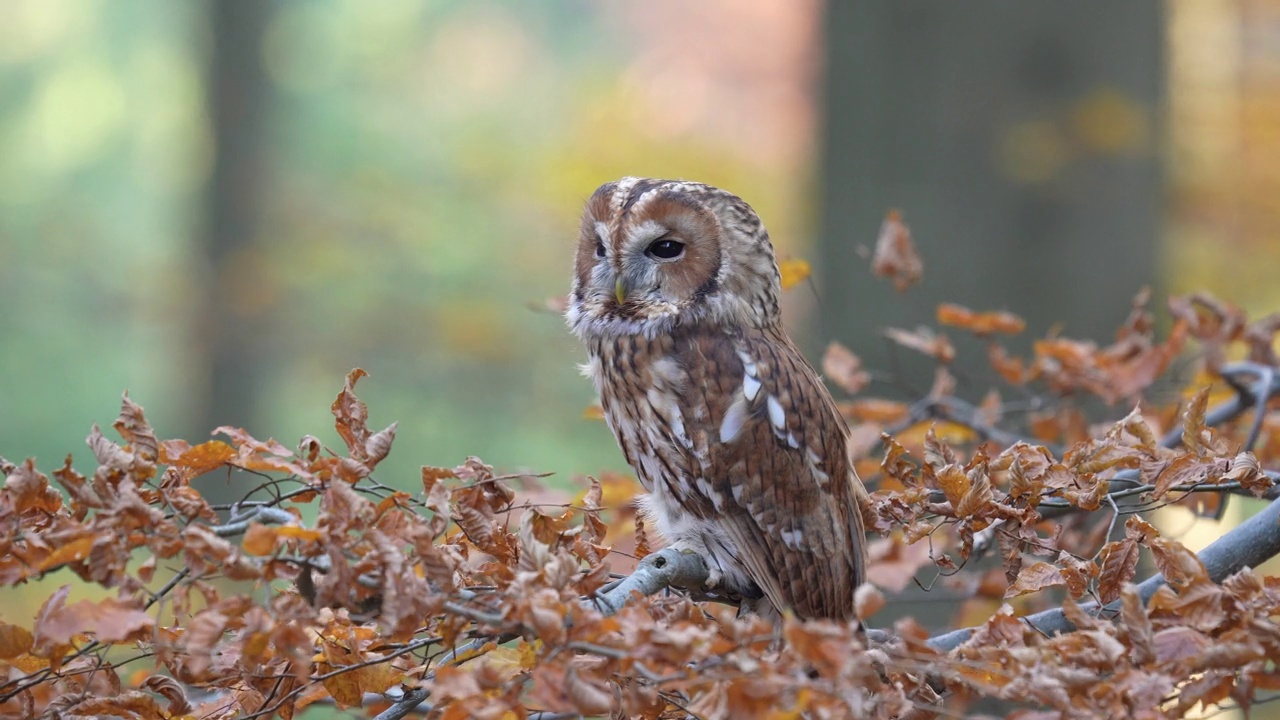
1251,543
262,514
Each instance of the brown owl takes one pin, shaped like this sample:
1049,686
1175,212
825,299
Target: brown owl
737,441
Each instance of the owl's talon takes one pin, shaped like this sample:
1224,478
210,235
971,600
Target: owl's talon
714,576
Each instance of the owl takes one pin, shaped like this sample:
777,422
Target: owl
739,446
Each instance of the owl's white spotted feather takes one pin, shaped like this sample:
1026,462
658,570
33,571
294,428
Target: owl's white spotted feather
737,441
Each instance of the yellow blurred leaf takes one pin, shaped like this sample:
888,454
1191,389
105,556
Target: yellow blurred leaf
507,662
14,641
529,654
593,412
77,549
344,688
298,532
794,272
378,677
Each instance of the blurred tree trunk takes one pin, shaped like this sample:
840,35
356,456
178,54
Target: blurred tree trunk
227,332
1020,141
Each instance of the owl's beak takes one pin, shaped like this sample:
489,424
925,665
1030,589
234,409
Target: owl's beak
620,291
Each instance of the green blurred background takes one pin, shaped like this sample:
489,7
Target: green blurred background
224,206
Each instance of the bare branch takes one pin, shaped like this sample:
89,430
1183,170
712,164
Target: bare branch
262,514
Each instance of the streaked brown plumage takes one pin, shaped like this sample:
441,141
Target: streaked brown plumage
731,431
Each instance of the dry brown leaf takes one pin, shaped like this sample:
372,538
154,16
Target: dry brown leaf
1118,563
923,340
843,368
1035,578
895,255
109,620
14,641
867,601
351,415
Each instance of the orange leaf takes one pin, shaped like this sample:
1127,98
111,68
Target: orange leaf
878,410
77,549
344,688
204,457
298,532
954,483
14,641
259,539
980,323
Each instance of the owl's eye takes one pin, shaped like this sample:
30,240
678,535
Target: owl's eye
599,249
665,249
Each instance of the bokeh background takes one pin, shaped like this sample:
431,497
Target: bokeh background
224,206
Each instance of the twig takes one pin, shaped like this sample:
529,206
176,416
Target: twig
262,514
1261,393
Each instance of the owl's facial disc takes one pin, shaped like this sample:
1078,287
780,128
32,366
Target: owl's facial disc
646,275
656,254
668,255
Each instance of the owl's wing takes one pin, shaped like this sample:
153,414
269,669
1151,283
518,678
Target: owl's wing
777,456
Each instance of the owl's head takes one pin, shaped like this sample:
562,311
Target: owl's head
654,254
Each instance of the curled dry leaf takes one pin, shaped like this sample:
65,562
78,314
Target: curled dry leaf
170,690
135,430
895,255
1118,564
352,416
923,340
378,445
1211,321
1195,435
1246,470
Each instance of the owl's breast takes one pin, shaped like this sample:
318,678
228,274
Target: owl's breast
645,388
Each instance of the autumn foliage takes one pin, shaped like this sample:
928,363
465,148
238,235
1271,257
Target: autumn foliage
481,595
